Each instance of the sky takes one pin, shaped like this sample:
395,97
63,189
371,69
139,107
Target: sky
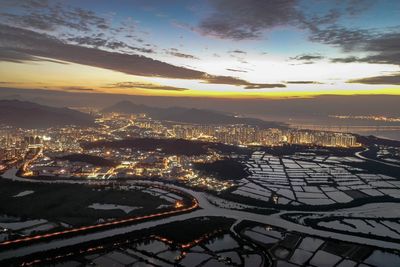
214,48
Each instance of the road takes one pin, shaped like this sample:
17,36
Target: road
12,175
207,209
358,154
130,123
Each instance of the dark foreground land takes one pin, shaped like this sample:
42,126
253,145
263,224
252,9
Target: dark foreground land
69,203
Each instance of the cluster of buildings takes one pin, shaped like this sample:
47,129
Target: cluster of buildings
16,144
252,135
329,139
370,118
129,163
238,134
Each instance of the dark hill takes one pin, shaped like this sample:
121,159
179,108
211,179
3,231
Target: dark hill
188,115
94,160
167,146
226,169
31,115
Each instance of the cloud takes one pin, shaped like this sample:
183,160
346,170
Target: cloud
370,46
11,55
28,44
90,41
264,85
16,57
246,19
175,52
237,51
384,79
308,58
355,7
24,45
149,86
302,82
381,47
350,59
49,16
236,70
32,3
347,39
239,82
249,19
99,42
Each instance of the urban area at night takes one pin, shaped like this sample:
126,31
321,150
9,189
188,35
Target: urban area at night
200,133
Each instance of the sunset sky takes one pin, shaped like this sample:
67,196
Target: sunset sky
215,48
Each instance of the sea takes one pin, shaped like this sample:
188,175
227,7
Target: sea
362,127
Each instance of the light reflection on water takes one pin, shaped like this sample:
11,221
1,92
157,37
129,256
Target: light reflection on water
386,132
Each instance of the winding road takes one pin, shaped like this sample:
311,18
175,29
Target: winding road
207,209
358,154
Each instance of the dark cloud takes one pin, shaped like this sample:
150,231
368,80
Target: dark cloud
238,52
176,53
385,49
49,16
100,42
308,58
381,45
33,3
87,40
236,70
264,85
384,79
239,82
11,55
376,48
147,86
302,82
26,44
16,57
20,45
143,50
355,7
350,59
381,48
347,39
249,19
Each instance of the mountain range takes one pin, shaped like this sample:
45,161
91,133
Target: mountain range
31,115
188,115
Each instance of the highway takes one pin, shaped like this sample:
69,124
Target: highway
207,209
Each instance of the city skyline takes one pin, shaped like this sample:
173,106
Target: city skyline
216,48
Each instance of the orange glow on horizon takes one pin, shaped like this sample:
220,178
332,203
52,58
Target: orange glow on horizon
75,78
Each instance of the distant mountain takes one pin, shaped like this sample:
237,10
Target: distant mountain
188,115
31,115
